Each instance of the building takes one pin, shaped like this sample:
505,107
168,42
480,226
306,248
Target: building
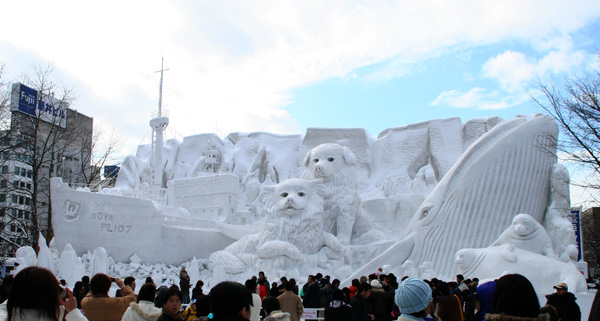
590,225
46,139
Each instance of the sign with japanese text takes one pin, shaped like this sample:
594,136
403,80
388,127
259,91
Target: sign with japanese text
48,109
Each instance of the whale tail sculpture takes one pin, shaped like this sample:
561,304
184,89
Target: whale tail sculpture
505,172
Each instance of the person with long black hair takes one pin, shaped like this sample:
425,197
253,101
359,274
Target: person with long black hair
35,295
515,300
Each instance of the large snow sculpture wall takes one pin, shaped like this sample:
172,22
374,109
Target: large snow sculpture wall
488,171
505,172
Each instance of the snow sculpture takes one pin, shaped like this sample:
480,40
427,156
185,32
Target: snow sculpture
100,262
293,236
130,173
69,266
558,220
25,256
387,187
527,234
45,256
343,214
426,271
493,262
409,269
505,171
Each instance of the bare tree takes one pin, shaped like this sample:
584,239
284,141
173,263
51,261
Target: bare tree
576,108
4,100
104,146
36,149
590,228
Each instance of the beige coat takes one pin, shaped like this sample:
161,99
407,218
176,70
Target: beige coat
291,304
105,308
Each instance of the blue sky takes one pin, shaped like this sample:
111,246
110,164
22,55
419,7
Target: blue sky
284,66
411,97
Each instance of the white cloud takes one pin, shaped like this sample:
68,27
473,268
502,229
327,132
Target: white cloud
470,99
511,69
478,98
233,63
515,71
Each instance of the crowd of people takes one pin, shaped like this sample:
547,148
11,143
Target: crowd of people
35,294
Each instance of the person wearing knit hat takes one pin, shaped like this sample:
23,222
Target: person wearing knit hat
413,297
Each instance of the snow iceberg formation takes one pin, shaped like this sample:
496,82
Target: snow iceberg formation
415,195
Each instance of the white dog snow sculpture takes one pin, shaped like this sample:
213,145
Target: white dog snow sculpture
527,234
293,236
344,216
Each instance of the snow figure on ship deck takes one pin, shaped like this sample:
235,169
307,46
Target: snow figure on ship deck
293,236
343,216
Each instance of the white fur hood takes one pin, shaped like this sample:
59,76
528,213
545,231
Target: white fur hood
142,311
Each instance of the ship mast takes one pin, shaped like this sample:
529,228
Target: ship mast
158,124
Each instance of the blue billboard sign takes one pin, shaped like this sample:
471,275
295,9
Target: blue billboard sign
27,99
111,171
48,109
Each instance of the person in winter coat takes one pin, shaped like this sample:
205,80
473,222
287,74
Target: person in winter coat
34,295
360,305
338,310
184,285
449,307
312,293
515,300
485,292
564,302
143,309
354,287
171,305
190,312
290,302
377,301
197,290
273,311
98,306
256,300
413,297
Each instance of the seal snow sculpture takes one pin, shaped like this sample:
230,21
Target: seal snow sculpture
493,262
293,236
343,215
527,234
505,171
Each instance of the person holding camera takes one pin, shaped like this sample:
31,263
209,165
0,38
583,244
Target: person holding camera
98,306
36,295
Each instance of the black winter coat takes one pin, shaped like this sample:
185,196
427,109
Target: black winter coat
565,305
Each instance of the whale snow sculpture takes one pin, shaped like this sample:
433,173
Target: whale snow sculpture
506,171
495,261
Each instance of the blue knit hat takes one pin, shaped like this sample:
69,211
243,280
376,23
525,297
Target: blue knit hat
413,295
